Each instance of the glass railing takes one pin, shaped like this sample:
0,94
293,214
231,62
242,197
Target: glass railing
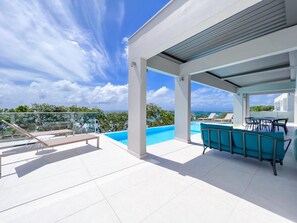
79,122
276,114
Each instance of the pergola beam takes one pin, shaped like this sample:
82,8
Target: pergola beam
266,71
283,41
162,65
213,81
268,88
293,64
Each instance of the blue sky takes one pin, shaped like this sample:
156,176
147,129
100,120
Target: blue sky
67,52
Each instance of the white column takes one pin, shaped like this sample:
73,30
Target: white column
182,114
137,108
295,105
293,64
247,106
239,107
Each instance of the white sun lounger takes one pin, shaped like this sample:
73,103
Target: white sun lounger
43,133
210,117
47,143
228,118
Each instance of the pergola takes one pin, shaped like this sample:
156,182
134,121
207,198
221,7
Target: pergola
241,46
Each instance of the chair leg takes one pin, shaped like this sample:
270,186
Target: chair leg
273,168
204,150
286,129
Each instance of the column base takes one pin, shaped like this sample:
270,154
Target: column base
183,140
137,155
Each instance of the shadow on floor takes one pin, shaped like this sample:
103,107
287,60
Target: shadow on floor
246,178
46,159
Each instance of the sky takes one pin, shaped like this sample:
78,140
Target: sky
74,52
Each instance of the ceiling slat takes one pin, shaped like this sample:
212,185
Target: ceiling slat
256,21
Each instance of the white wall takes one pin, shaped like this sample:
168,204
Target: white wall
291,102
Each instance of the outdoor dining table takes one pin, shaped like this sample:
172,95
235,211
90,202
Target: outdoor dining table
265,122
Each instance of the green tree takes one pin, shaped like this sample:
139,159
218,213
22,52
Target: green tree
259,108
22,108
156,116
114,121
42,108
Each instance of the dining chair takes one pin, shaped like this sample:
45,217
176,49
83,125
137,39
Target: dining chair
280,123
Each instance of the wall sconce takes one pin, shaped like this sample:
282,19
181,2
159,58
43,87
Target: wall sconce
181,79
133,64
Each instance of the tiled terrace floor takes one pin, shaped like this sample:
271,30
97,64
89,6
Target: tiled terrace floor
175,183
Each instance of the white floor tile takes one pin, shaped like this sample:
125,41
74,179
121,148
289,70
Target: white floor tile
100,212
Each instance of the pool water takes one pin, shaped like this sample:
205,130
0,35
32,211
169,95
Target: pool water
153,135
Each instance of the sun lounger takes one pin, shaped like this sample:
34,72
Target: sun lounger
228,118
209,118
52,132
41,144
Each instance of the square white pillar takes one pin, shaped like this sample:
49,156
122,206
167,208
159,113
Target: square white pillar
137,107
182,114
247,106
240,106
295,105
293,72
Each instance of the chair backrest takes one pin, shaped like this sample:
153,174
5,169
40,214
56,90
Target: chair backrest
281,121
229,116
248,120
212,115
23,131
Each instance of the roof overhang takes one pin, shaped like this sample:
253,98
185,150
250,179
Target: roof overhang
238,46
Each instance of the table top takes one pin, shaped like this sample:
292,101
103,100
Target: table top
266,118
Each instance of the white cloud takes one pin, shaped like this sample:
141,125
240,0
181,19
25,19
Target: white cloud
264,99
109,94
162,97
65,85
125,52
120,12
37,89
64,92
160,92
5,90
211,99
46,39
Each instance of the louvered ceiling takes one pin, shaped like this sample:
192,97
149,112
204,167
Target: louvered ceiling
261,19
266,70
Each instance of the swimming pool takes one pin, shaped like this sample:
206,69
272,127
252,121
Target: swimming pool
153,135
